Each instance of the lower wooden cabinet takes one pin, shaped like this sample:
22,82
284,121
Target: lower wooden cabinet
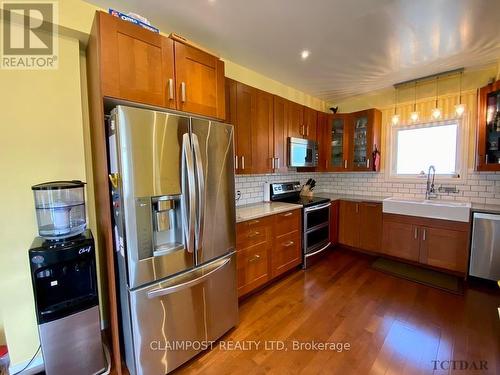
266,248
400,240
360,225
441,244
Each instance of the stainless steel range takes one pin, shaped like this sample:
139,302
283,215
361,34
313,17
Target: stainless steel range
315,216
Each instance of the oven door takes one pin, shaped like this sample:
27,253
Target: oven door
316,228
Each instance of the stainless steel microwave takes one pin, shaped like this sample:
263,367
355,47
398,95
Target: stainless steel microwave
302,152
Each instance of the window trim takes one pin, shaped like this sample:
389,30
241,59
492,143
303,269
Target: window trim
461,153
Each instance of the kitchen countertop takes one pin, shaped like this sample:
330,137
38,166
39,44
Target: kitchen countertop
261,209
487,208
351,197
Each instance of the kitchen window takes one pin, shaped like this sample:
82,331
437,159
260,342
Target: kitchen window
416,147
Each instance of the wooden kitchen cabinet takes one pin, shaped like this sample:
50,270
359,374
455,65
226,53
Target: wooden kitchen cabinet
246,104
334,223
360,225
200,81
333,142
400,240
266,248
437,243
281,120
444,248
488,130
136,64
370,226
364,139
349,223
263,160
145,67
296,121
310,123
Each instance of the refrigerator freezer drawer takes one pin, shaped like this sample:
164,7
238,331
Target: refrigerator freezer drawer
174,320
485,249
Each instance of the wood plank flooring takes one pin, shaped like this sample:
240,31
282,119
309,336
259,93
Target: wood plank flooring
393,326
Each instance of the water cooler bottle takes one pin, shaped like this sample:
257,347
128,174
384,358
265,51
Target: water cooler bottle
63,273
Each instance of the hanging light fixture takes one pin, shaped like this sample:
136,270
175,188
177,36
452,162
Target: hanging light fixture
436,111
460,108
414,116
395,116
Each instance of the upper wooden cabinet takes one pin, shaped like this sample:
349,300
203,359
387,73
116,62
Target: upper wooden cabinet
244,119
144,67
488,130
296,127
281,120
263,160
200,81
349,141
310,123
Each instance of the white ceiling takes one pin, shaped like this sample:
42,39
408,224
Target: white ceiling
356,45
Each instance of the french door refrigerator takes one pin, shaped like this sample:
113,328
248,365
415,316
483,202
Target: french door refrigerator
172,179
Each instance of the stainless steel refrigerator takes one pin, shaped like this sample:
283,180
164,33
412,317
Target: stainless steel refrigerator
172,179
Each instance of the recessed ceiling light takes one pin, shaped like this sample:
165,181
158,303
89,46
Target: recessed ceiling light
305,54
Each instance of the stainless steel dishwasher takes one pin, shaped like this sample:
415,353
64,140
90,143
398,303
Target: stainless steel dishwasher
485,249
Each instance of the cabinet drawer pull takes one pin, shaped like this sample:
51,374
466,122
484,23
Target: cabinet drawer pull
183,92
253,222
289,243
253,234
170,89
255,258
287,214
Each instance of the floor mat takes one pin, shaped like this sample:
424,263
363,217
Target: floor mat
443,281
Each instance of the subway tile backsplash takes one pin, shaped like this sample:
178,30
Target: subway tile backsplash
480,187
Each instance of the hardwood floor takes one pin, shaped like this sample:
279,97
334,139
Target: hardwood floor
393,326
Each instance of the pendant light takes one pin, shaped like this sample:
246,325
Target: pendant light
395,116
460,108
414,116
436,111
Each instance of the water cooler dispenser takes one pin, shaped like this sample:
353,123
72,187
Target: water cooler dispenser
63,272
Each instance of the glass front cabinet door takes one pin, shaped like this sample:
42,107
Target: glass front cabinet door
488,155
338,139
365,140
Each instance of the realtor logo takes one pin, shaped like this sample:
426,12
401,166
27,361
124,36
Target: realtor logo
29,35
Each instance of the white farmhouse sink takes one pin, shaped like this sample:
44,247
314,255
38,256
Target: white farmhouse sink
435,209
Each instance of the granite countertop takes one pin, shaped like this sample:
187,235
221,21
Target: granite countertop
487,208
261,209
351,197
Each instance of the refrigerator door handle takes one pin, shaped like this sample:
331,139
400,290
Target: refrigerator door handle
188,193
201,191
187,284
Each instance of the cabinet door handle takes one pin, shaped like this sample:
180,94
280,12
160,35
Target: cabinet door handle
255,258
236,163
278,161
416,233
289,243
253,234
287,214
183,92
170,88
242,162
424,235
357,207
368,163
272,163
345,164
486,158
